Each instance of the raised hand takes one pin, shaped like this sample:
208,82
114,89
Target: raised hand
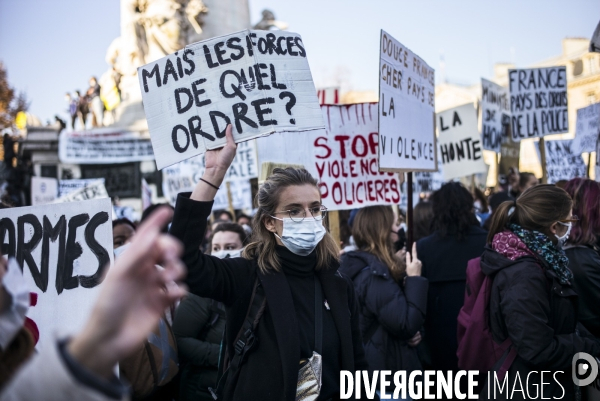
413,264
133,297
217,162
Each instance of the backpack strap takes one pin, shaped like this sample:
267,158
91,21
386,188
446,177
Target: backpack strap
245,339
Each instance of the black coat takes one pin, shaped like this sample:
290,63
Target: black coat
389,314
584,262
529,305
199,326
445,262
271,369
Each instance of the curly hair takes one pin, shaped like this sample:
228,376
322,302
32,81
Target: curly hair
452,210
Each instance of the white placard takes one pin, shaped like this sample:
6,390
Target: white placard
562,162
183,177
495,112
406,109
63,250
423,182
538,101
105,148
343,158
67,186
459,142
43,190
94,190
587,128
259,81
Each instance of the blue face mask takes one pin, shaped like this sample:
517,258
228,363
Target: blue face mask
303,237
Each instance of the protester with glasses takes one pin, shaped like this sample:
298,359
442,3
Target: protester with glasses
533,302
293,261
583,251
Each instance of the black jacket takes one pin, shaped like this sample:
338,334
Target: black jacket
445,262
389,314
271,369
529,305
199,326
584,262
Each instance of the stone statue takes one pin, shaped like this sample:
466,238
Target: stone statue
268,21
151,29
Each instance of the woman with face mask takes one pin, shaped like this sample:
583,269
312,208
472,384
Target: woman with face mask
199,324
533,302
308,325
391,292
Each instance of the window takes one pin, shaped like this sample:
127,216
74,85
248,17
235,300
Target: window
577,68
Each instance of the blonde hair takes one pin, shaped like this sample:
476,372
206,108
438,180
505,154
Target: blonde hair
263,242
371,231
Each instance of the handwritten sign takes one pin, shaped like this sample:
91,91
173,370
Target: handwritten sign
63,250
406,109
67,186
460,142
183,177
93,190
587,128
495,115
538,101
343,158
562,162
258,81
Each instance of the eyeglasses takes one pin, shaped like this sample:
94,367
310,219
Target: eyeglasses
573,219
297,214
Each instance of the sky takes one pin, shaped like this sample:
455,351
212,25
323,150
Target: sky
50,47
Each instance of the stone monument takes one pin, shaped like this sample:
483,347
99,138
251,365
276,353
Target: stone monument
151,29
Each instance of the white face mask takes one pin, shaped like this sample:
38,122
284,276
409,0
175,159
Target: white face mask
562,240
301,238
12,315
225,254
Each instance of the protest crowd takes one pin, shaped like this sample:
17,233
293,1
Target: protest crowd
351,259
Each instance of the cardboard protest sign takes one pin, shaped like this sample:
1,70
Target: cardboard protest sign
538,101
95,190
587,128
459,142
43,190
183,177
495,115
259,81
67,186
63,250
423,182
343,157
562,162
103,148
406,109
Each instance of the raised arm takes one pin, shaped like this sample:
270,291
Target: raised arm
220,279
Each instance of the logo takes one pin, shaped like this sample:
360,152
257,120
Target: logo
584,369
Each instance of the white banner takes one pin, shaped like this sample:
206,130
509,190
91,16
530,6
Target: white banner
460,143
103,148
587,129
43,190
63,250
259,81
67,186
94,190
495,111
343,158
406,109
538,101
562,162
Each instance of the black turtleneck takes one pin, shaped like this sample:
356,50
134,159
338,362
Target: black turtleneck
300,274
